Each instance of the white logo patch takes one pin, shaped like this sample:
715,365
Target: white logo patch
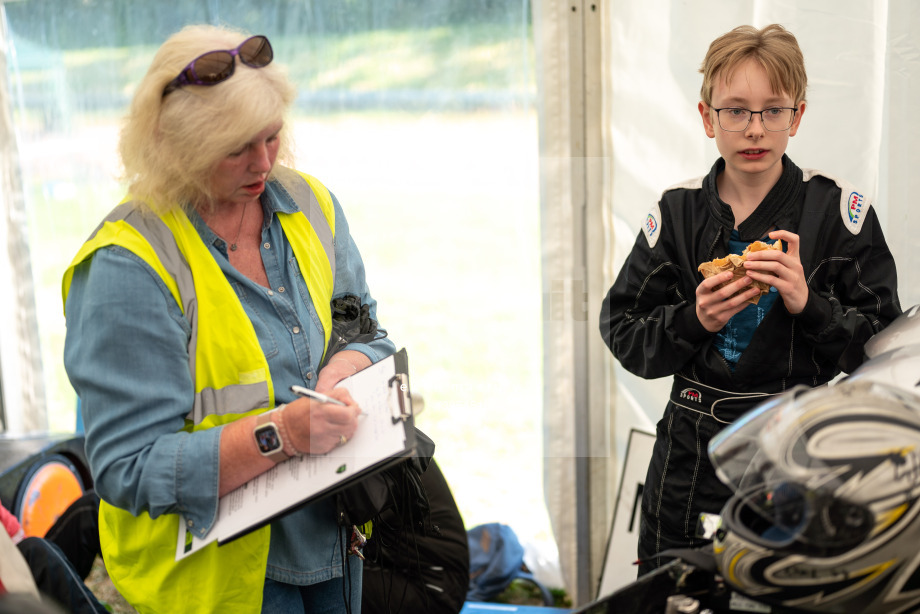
854,205
853,209
651,226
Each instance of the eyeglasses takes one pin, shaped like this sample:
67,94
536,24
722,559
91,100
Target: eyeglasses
215,66
774,119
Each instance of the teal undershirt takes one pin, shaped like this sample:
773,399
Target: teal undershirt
735,336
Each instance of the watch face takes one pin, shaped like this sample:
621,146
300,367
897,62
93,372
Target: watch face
267,438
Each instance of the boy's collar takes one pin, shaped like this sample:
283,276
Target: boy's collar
779,201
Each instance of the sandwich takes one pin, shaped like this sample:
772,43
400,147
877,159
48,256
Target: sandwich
735,264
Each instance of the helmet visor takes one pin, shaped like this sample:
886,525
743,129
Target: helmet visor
744,454
807,466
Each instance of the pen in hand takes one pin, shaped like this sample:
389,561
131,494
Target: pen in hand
319,396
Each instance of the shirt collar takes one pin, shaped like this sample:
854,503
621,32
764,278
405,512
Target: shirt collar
274,200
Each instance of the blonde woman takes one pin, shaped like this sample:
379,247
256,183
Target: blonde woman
191,311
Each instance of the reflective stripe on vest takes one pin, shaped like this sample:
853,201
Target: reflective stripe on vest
231,380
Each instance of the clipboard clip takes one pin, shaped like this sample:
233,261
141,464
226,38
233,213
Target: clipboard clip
399,398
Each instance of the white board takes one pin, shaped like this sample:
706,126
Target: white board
624,534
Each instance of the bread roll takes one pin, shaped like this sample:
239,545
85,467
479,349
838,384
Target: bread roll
735,264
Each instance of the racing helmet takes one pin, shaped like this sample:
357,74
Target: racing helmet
899,367
903,330
825,515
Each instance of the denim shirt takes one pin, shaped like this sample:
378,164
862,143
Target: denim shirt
126,353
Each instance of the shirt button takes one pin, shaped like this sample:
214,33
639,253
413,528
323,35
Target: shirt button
280,288
296,330
310,375
190,523
270,293
267,245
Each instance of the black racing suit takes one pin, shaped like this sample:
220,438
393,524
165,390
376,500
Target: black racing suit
649,321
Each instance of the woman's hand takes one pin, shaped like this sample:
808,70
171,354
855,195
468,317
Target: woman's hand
315,427
782,270
714,305
341,365
310,426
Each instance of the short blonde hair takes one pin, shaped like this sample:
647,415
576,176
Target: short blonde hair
774,47
170,145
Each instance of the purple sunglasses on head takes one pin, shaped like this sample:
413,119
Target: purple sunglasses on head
215,66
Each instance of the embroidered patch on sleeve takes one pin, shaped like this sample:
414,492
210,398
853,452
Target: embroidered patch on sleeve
854,205
853,208
651,226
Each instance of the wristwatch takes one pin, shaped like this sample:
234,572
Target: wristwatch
268,438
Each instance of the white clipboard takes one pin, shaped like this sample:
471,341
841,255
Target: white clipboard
385,436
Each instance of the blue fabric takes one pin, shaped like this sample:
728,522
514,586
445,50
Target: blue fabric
327,597
735,336
126,356
497,559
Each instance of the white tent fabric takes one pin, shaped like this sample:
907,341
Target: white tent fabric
864,74
578,468
23,398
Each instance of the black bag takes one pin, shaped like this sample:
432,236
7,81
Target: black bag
398,488
351,323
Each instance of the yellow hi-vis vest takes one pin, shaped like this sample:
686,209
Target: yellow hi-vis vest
232,380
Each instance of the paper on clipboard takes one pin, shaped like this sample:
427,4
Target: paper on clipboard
382,392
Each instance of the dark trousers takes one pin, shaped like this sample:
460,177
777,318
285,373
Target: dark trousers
56,578
680,485
76,533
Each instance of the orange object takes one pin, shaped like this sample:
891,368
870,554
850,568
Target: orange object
48,492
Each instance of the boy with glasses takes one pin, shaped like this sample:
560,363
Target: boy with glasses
832,286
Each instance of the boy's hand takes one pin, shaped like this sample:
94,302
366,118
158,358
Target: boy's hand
782,270
714,305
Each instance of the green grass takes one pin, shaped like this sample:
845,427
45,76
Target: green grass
472,58
476,58
522,592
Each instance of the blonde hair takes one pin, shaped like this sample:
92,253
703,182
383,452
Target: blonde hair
774,47
170,146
